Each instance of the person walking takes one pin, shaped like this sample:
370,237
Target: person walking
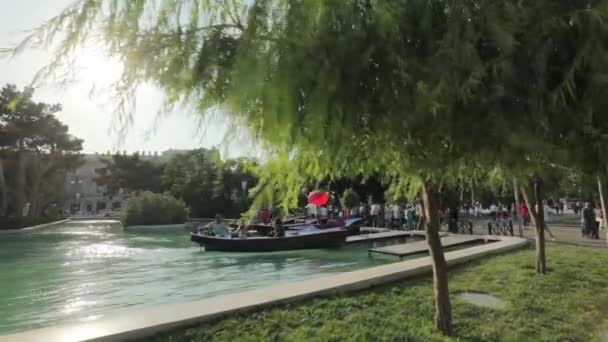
525,215
588,220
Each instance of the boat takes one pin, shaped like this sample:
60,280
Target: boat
351,224
312,238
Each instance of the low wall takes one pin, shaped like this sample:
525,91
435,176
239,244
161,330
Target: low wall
141,323
29,229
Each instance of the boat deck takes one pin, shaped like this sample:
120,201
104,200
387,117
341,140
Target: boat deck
407,249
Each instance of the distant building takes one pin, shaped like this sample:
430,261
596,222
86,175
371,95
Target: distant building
82,195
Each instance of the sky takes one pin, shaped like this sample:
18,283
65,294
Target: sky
91,118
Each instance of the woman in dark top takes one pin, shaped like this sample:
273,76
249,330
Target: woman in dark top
279,230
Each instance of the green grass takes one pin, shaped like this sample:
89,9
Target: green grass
569,303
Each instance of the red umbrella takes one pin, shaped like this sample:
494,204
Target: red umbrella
318,198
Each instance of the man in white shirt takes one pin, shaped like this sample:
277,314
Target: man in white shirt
219,228
374,212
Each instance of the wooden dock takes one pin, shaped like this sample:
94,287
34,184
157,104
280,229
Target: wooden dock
407,249
390,235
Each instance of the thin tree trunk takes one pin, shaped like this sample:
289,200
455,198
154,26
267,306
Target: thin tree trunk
600,189
517,215
35,188
443,309
3,190
539,222
462,186
472,193
20,188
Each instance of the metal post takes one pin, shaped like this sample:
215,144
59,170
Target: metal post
600,189
519,218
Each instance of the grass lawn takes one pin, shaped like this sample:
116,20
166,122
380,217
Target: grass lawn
570,303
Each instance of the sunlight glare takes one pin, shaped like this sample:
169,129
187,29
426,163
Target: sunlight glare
94,68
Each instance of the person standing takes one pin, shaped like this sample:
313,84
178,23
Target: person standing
588,220
525,215
493,212
375,214
398,215
410,217
388,216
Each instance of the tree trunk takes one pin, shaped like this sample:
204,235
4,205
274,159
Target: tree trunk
517,215
600,189
538,220
20,187
443,310
472,193
3,191
35,188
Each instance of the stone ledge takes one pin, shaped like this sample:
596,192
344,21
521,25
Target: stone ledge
144,322
29,229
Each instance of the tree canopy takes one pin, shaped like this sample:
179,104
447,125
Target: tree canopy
129,173
36,152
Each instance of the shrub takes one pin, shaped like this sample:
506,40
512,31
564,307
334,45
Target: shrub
350,198
149,208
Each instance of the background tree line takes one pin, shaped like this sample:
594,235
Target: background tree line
201,178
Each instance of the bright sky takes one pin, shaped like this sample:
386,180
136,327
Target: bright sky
91,118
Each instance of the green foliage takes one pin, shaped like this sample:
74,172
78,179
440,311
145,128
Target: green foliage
563,305
36,152
409,88
350,198
208,184
148,208
129,173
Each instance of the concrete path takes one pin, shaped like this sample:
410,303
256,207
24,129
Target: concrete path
393,234
563,228
418,247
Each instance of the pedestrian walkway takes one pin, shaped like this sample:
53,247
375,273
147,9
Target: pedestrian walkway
563,229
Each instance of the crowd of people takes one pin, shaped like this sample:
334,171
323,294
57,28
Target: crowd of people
398,215
409,216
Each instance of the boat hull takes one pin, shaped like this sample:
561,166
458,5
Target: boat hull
329,238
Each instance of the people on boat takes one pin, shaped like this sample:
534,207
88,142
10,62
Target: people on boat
278,229
263,215
242,230
218,227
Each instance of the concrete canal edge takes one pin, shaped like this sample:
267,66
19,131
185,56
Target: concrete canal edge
29,229
144,322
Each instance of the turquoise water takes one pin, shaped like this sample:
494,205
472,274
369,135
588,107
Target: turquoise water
81,271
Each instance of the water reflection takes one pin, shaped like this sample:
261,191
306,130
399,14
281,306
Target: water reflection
82,271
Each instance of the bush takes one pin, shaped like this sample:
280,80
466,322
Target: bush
150,208
350,199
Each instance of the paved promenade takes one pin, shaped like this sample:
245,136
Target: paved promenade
565,228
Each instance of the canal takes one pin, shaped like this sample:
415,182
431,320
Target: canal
81,271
